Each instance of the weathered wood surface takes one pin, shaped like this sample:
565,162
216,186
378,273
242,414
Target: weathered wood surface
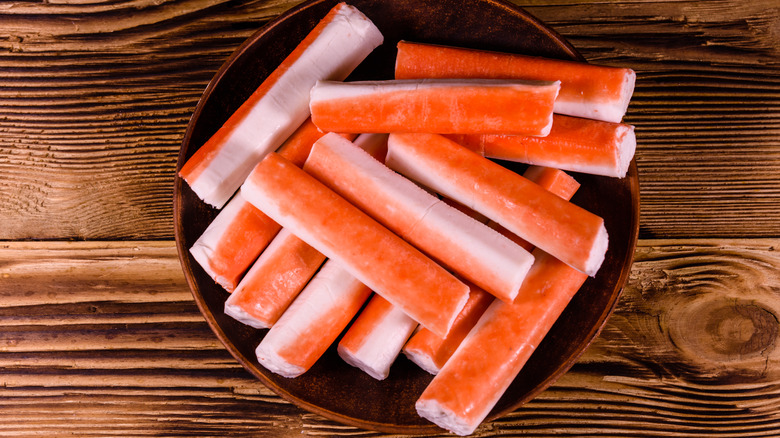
104,339
95,97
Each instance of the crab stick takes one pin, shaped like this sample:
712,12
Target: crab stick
561,228
375,339
373,254
576,144
240,232
232,241
273,281
591,91
471,106
458,242
336,45
312,322
468,386
430,351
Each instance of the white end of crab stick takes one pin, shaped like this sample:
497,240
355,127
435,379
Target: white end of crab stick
430,351
462,244
233,241
490,357
469,106
561,228
575,144
587,90
312,322
331,50
273,282
379,258
375,339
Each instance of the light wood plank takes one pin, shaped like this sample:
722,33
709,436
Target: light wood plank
691,350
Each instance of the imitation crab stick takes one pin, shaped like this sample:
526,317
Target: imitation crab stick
591,91
561,228
576,144
339,42
376,337
273,282
471,106
312,322
430,351
240,232
493,353
380,259
450,237
233,241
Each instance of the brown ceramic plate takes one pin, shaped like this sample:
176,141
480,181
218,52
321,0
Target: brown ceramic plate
332,388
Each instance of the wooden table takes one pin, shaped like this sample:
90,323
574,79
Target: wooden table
99,333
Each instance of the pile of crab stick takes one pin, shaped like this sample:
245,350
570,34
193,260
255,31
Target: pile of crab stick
378,203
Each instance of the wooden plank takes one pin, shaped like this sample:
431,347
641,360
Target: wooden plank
95,97
691,350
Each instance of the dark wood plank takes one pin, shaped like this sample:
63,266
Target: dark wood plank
120,349
95,97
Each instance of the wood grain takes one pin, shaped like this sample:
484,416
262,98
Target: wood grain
95,97
120,349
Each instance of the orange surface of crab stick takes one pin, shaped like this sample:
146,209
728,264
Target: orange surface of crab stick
591,91
273,282
339,42
470,106
373,254
576,144
312,322
233,241
561,228
495,350
240,232
430,351
460,243
376,337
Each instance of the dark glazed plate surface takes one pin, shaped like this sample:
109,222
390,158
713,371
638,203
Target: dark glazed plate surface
331,387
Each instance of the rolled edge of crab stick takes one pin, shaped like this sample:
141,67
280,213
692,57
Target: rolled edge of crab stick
336,45
575,144
457,241
233,241
312,322
240,232
469,106
587,90
380,259
375,339
495,350
569,232
273,282
430,351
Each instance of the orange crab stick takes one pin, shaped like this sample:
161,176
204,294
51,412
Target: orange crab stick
591,91
492,354
312,322
331,50
576,144
232,241
460,243
273,282
372,253
430,351
375,339
240,232
472,106
561,228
